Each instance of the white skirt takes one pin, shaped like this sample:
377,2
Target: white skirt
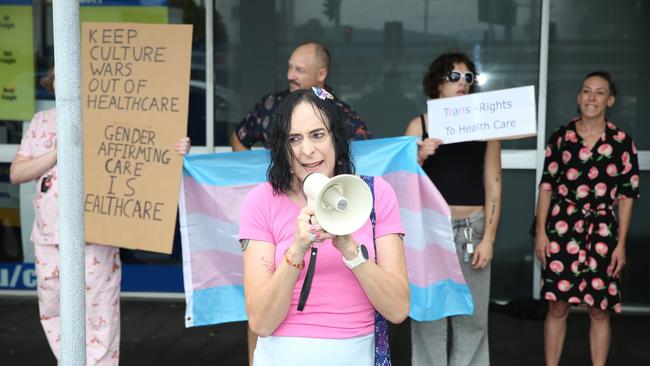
302,351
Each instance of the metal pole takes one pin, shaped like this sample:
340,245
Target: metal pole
541,120
70,173
209,75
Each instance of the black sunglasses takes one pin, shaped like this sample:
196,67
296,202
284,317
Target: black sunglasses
454,77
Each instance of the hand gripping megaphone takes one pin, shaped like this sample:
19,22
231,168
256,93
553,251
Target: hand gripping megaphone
342,204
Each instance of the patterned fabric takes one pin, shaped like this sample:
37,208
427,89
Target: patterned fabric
581,225
103,277
103,267
382,347
257,124
39,139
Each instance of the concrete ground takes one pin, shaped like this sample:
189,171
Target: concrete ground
153,334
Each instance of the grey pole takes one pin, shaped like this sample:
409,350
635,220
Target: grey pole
209,75
541,122
70,170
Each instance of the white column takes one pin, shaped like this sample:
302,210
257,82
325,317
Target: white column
70,173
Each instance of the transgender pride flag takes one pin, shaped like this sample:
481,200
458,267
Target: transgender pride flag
214,186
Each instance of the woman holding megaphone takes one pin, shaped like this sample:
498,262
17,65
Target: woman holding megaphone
313,297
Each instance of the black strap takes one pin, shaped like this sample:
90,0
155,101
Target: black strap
306,285
425,134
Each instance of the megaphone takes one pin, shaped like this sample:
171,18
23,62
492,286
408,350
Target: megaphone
342,204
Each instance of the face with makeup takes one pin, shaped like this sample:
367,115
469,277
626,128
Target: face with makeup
311,143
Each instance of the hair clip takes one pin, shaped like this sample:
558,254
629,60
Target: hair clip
322,93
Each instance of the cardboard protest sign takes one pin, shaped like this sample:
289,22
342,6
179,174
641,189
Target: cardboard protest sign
135,91
497,115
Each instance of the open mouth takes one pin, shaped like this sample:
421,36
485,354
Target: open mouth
461,92
310,167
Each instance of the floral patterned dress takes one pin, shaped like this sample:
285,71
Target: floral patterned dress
581,226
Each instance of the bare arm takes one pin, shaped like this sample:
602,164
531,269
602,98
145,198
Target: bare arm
493,186
541,239
268,289
236,144
624,218
24,169
386,282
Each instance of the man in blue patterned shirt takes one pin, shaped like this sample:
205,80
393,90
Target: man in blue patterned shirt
308,67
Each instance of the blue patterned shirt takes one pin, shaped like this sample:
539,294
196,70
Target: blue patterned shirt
256,126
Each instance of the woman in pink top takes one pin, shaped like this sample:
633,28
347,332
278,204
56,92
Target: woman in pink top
277,230
36,161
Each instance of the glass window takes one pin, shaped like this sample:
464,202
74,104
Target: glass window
512,266
600,35
378,57
171,11
634,285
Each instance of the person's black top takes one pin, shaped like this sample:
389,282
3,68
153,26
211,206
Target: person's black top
457,171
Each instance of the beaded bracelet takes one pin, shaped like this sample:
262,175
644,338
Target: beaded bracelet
294,265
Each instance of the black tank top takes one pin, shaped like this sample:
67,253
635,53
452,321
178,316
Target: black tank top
457,171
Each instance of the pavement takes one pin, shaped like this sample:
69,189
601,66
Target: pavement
153,333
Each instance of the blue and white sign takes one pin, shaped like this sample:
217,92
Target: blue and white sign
496,115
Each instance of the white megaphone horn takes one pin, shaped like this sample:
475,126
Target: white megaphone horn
341,204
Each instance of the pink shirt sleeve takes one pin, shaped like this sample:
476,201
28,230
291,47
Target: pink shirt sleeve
386,209
27,142
254,222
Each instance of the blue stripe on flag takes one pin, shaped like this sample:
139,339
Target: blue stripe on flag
379,157
426,302
228,169
372,157
217,305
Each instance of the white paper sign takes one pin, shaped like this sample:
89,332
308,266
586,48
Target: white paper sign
495,115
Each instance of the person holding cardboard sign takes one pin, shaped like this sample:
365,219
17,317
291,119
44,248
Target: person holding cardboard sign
360,278
36,160
584,209
468,175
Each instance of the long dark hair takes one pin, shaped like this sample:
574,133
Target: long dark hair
279,173
442,66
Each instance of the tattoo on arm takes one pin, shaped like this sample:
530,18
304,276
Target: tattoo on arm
244,244
268,265
493,207
492,213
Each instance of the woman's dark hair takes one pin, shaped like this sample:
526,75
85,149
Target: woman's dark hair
47,81
442,66
279,173
605,76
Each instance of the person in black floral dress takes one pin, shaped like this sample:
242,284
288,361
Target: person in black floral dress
590,178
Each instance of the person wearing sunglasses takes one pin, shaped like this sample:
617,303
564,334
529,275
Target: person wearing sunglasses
468,175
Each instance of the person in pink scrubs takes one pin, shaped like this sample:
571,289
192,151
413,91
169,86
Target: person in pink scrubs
36,160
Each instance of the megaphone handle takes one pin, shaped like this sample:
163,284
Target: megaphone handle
306,285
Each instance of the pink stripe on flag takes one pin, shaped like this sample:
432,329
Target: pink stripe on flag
432,265
220,203
213,268
416,192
